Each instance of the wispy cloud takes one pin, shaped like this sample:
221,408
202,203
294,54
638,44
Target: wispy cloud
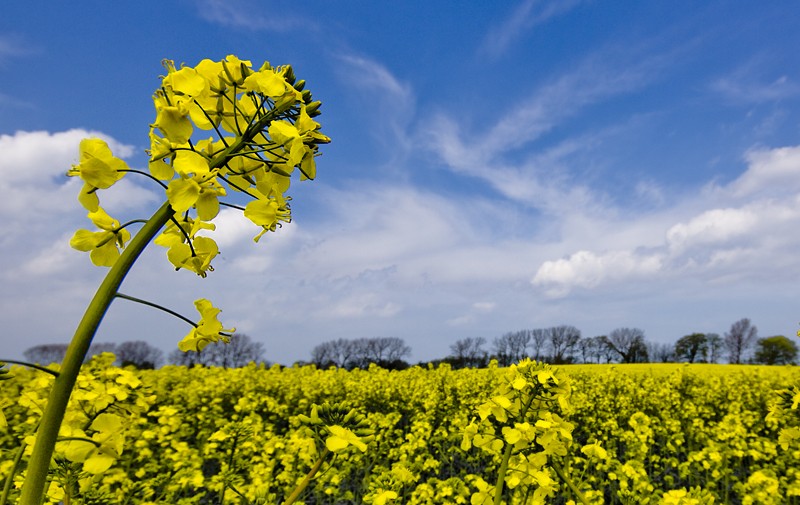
524,17
747,85
481,154
15,46
252,15
390,103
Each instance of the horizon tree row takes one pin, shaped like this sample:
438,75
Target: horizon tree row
387,352
563,345
238,353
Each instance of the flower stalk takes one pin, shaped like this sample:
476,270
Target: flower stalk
33,488
296,493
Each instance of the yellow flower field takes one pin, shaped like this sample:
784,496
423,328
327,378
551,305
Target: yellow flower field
646,434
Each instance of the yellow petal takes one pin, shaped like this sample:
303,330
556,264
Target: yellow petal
98,463
174,124
84,240
88,197
105,255
335,443
182,194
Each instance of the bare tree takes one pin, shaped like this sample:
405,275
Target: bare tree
739,339
334,353
562,339
238,353
512,346
54,353
661,353
468,352
189,358
539,339
360,352
714,343
629,344
501,350
99,348
586,347
388,349
469,348
139,354
46,354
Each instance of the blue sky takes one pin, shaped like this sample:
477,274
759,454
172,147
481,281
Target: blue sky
494,167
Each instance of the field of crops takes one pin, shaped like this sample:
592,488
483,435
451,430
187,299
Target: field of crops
211,435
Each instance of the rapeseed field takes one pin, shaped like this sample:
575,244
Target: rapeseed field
629,434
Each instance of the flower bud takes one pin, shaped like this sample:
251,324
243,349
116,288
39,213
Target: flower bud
312,108
288,74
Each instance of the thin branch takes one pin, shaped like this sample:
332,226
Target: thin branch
31,365
155,305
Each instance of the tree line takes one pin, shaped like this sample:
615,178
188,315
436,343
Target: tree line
555,345
564,345
238,353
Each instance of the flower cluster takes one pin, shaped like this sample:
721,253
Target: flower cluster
337,427
264,130
524,427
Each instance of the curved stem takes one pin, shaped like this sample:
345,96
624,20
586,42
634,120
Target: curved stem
132,221
186,235
308,478
572,486
80,439
155,305
31,365
33,487
232,206
143,173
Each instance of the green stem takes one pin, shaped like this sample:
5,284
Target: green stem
302,486
501,475
572,486
13,470
31,365
33,487
156,306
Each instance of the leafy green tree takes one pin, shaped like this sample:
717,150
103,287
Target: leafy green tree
690,346
777,350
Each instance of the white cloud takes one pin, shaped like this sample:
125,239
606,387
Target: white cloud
748,241
484,306
528,14
586,269
769,169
